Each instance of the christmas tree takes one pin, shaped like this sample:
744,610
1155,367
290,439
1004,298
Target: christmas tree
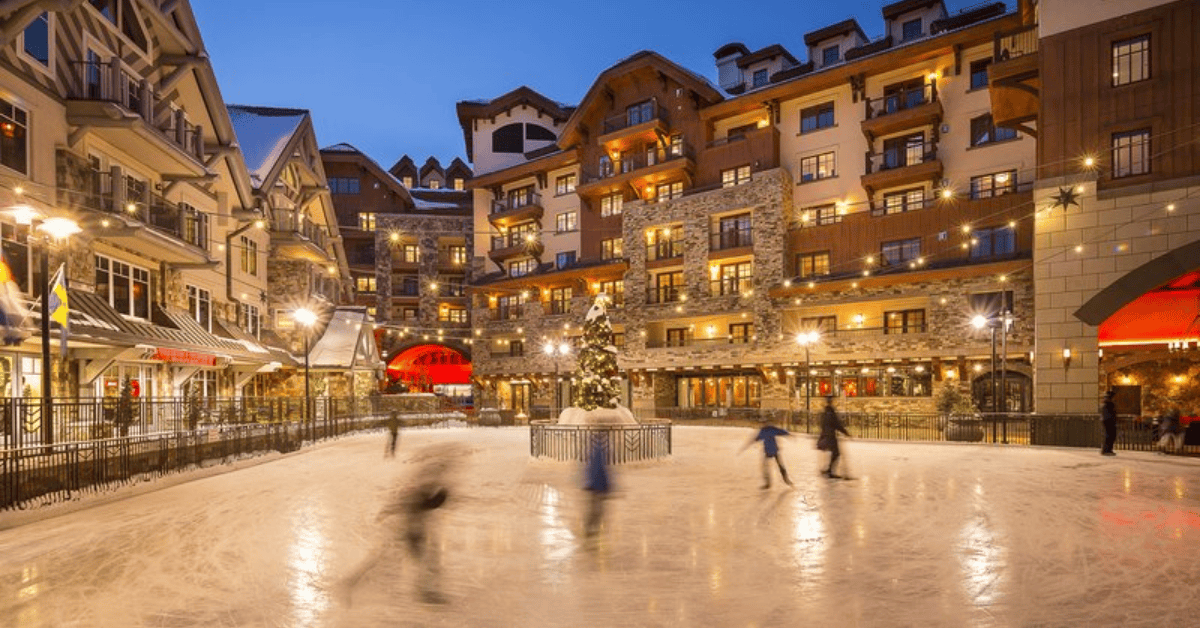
597,372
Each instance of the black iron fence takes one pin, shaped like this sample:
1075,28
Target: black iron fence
648,440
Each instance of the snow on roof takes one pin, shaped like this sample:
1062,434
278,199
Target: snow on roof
424,204
342,344
340,148
263,133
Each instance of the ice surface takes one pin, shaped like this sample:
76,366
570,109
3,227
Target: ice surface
925,535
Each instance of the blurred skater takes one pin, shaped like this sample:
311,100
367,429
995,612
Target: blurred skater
831,424
1171,431
596,482
767,434
393,426
1108,415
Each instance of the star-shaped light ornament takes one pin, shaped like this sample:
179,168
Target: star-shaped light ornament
1065,197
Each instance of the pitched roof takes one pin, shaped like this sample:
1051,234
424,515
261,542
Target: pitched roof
263,133
469,110
844,27
348,342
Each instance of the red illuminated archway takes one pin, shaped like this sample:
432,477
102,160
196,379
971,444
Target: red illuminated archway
422,367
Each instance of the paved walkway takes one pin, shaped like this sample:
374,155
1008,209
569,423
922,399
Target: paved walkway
926,535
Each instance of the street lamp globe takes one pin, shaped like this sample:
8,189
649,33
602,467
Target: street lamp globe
305,317
58,227
564,348
979,322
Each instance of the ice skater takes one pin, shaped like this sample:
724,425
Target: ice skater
767,434
831,424
393,426
1108,415
596,482
1171,429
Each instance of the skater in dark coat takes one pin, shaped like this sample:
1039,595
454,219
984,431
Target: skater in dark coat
1108,415
596,482
767,435
828,441
393,426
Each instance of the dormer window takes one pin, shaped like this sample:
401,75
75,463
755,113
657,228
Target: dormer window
831,55
760,78
911,30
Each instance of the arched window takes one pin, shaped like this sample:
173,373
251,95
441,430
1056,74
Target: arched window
508,139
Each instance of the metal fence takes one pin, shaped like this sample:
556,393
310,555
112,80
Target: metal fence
648,440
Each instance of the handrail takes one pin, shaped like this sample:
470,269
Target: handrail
1014,43
901,100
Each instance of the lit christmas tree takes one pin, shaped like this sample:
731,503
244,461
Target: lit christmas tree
597,372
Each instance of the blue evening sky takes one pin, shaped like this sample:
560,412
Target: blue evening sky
384,75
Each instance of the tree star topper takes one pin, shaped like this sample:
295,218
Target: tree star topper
1065,197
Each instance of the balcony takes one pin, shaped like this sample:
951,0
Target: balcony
692,341
1014,82
119,107
664,250
634,127
505,313
515,209
905,109
760,145
912,163
728,286
515,245
294,236
726,239
639,170
402,289
664,294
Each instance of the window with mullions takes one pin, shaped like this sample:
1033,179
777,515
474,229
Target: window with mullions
522,267
1131,60
735,176
984,131
611,205
903,201
979,73
195,225
452,286
904,322
817,167
831,55
200,306
910,30
343,185
668,191
740,333
566,221
508,307
452,315
410,254
679,337
126,288
733,278
639,113
35,40
516,348
249,256
994,184
993,242
1130,153
899,252
816,117
823,324
991,304
759,78
564,259
667,287
249,319
365,283
719,391
564,184
560,300
810,265
612,248
366,221
457,254
615,289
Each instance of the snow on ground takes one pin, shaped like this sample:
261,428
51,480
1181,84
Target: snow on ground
926,534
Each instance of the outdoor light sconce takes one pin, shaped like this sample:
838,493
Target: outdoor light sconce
1066,357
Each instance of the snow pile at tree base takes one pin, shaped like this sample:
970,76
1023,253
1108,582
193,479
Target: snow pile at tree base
619,415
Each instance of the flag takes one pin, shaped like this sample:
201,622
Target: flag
58,299
13,313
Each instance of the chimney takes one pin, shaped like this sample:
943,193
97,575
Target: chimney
729,75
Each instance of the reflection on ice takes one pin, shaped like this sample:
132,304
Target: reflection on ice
556,539
307,562
980,554
809,544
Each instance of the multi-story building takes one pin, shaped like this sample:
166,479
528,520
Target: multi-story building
865,194
111,116
409,243
1118,226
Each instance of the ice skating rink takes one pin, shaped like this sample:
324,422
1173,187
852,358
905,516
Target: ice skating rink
925,535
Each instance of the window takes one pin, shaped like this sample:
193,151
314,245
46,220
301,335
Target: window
366,221
661,244
365,283
1131,60
1130,153
759,78
615,289
984,132
733,232
135,190
560,300
668,191
823,324
618,339
831,55
516,348
810,265
817,167
249,256
509,307
249,319
451,286
566,221
564,259
509,139
904,322
908,150
740,333
979,73
14,148
910,30
449,314
992,242
719,391
678,336
904,95
612,248
409,313
343,185
827,215
564,184
406,181
995,184
735,176
458,183
991,304
816,117
675,145
667,287
900,251
434,184
410,254
611,205
539,133
125,287
457,254
522,267
195,225
903,201
732,278
200,306
35,41
639,113
409,286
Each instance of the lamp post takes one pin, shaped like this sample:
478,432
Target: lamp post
57,228
979,322
806,340
554,351
306,317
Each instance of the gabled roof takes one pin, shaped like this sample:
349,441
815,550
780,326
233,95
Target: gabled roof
731,48
833,30
264,134
644,59
469,110
458,166
348,342
891,11
770,52
347,151
432,165
403,166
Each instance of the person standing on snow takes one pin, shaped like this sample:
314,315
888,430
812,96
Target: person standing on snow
767,435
